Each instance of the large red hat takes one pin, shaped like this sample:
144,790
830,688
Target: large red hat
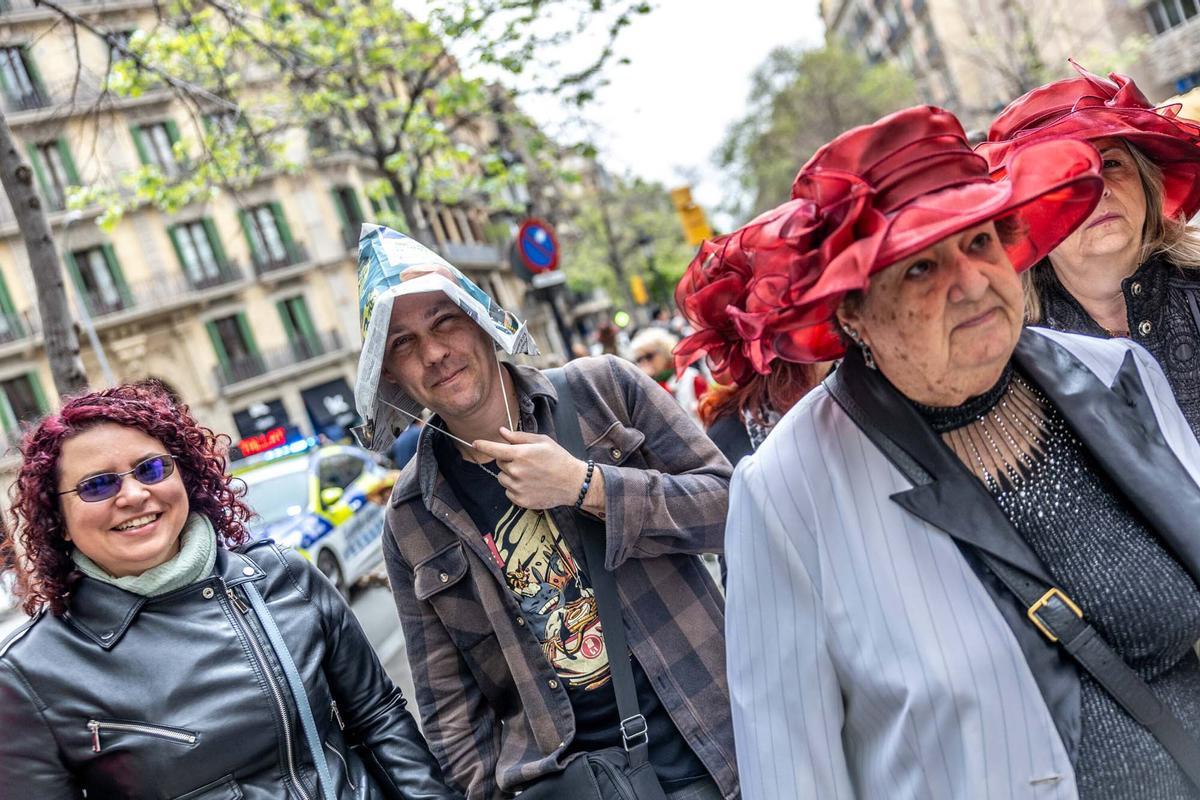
871,197
1090,107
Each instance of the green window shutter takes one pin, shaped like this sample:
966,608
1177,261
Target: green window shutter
355,206
173,232
172,131
39,396
244,218
136,132
248,335
68,162
35,160
73,268
218,346
8,92
286,318
118,276
7,417
35,75
281,222
6,303
300,309
215,242
341,209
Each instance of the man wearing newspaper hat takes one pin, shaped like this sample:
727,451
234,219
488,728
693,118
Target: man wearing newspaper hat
486,557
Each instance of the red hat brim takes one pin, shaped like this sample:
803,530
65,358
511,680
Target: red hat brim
1170,142
1051,189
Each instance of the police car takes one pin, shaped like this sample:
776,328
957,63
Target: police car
326,502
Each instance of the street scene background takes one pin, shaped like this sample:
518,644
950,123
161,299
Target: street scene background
184,184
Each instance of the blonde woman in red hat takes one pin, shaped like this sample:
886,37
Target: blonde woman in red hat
966,564
1130,269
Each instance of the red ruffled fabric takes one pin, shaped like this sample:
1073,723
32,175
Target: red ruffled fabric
760,293
873,196
1091,107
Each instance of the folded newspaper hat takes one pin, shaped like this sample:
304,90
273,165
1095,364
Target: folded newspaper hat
392,265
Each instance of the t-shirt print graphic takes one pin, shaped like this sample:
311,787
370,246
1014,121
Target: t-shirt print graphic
557,604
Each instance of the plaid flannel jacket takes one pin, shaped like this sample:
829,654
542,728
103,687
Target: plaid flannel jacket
494,712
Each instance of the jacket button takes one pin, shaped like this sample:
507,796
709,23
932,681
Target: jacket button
553,684
207,593
106,635
1144,327
247,571
1135,288
444,578
616,452
520,620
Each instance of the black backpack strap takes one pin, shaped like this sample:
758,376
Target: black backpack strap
1053,613
635,734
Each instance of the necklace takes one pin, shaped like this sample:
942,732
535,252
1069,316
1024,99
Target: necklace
481,466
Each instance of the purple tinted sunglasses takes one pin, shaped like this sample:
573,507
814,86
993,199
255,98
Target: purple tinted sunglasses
154,469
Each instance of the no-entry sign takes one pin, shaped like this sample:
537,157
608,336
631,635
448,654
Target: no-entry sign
536,246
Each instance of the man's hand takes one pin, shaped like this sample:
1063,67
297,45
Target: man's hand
537,473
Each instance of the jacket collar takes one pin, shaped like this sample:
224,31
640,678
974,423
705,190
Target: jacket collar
103,612
1116,424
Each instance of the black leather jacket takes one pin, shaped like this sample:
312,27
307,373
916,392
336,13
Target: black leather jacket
1163,307
181,696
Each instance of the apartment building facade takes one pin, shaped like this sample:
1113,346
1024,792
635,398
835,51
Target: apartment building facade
975,56
245,306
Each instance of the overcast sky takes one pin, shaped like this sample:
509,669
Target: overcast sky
664,114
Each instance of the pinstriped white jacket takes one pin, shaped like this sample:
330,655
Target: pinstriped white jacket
866,658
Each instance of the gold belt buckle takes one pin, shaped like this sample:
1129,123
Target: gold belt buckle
1043,600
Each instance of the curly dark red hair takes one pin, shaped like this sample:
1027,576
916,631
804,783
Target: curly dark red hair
45,571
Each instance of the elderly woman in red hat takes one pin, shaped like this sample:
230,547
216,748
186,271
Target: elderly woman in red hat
966,564
1131,268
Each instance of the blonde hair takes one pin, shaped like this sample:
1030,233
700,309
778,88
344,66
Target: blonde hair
654,339
1171,237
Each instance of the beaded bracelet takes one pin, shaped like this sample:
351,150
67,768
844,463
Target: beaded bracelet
587,482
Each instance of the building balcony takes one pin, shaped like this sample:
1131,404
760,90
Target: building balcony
28,101
295,254
1174,53
295,353
162,294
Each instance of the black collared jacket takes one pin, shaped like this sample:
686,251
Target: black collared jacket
1163,304
181,696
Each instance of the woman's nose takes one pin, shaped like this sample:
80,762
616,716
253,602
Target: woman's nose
132,492
970,280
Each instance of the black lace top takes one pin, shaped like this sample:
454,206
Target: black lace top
1101,552
1163,307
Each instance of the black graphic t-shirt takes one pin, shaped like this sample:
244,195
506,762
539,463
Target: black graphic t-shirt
559,607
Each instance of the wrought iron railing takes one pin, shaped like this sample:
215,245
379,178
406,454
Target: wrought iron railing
295,352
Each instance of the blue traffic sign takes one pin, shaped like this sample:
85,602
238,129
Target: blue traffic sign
536,246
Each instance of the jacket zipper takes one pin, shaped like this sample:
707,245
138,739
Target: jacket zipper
95,725
337,715
275,691
349,780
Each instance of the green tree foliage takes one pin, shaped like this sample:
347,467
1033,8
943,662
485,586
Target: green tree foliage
645,236
272,82
799,100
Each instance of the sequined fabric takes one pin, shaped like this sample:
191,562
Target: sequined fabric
1159,299
1100,551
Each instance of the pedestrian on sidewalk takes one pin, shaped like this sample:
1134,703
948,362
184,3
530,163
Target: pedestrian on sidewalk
1132,269
484,543
967,564
166,655
652,349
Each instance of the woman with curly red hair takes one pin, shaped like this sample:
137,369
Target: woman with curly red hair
165,655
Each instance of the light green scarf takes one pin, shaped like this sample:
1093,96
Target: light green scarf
195,560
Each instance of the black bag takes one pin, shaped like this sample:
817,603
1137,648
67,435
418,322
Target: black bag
615,773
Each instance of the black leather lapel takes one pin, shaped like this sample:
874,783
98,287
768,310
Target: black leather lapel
1118,427
953,500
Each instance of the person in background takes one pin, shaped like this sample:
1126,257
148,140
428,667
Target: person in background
651,349
405,446
967,564
1133,268
145,672
753,387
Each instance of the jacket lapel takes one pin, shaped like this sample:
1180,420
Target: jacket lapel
951,499
1118,427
